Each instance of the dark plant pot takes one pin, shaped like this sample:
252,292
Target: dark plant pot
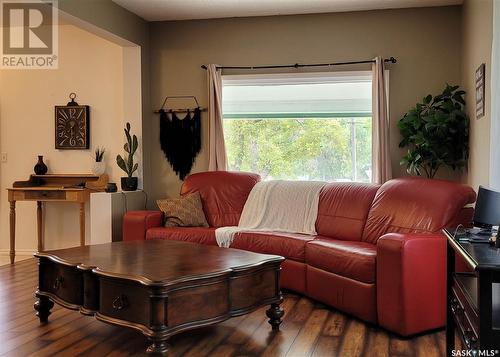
129,183
40,167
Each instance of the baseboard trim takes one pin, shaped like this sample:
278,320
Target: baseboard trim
19,252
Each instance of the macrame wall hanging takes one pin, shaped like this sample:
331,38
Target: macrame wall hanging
180,136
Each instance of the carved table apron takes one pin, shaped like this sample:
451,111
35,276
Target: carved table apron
185,297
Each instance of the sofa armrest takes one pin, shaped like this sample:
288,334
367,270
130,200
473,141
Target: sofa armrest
411,282
136,223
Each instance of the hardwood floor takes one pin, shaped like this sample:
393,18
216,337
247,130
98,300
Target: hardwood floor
308,329
4,259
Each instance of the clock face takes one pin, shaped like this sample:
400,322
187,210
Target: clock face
72,127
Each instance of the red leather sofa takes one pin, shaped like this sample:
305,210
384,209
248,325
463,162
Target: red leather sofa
378,253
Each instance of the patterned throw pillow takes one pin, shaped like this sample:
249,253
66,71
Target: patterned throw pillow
185,211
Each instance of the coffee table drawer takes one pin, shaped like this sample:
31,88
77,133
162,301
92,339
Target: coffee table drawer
63,281
250,289
124,301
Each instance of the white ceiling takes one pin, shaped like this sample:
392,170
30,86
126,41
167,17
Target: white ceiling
161,10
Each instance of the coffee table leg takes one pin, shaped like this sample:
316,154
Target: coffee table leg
43,306
275,313
158,346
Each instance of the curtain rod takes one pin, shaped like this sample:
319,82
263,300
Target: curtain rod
297,65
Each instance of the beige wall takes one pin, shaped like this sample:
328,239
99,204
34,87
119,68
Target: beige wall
107,20
112,21
477,22
425,41
93,68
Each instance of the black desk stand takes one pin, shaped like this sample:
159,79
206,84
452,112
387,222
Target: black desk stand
473,298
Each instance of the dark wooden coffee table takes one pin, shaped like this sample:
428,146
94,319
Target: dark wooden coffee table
159,287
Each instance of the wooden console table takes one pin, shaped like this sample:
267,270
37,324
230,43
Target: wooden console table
473,298
48,188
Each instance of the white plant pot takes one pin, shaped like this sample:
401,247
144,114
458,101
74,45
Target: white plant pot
98,168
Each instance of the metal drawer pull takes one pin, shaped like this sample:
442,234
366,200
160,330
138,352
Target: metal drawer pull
456,306
120,302
470,339
58,283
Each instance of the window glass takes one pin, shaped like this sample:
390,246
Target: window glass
299,127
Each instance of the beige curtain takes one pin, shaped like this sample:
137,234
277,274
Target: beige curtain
381,159
217,159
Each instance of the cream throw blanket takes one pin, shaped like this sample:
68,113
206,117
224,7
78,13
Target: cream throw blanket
283,206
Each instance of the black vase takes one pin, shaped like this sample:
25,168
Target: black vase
111,187
40,167
129,183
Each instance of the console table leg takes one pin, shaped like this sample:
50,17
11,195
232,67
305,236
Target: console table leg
275,313
82,224
43,306
158,347
12,252
39,225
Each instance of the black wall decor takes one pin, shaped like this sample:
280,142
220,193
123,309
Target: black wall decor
180,138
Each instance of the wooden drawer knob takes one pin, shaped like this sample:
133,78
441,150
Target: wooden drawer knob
58,283
120,302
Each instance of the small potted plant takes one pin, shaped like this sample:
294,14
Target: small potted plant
99,166
128,183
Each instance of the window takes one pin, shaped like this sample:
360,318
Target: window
314,126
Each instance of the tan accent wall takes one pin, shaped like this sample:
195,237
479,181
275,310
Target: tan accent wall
108,26
477,22
426,42
111,21
93,68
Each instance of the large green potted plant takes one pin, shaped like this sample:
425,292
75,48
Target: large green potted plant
128,183
436,133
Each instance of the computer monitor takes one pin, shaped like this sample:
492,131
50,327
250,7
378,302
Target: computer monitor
487,211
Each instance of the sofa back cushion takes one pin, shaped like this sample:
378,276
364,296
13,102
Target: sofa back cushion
223,194
343,208
413,204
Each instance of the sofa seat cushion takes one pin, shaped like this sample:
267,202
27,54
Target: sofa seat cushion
200,235
289,245
350,259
